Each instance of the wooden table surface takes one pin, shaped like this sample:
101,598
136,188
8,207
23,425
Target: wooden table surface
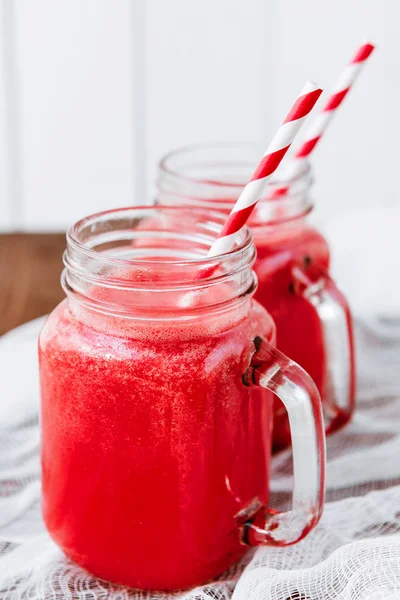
30,268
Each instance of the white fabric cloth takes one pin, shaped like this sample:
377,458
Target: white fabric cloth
354,553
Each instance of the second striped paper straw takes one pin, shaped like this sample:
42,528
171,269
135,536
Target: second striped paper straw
277,149
322,120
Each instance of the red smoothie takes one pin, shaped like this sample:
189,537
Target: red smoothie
152,445
299,330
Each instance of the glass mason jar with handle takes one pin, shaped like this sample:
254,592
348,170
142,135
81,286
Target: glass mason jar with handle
312,317
156,411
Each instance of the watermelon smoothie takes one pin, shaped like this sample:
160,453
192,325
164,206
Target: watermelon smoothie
155,437
151,437
312,318
290,260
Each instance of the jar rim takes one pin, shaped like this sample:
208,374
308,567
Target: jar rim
165,167
217,217
150,240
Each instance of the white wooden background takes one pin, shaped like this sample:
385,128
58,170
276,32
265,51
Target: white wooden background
92,92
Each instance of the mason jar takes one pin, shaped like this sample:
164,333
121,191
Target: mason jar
156,404
312,318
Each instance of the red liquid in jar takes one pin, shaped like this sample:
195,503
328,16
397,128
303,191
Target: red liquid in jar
299,332
151,444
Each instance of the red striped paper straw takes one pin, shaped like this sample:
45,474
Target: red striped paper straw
322,120
277,149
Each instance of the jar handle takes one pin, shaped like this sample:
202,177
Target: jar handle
317,288
271,369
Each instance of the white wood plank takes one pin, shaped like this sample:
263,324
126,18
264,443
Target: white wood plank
203,73
315,40
75,64
390,110
10,199
90,71
138,122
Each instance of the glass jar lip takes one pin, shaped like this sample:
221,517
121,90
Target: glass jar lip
115,258
165,167
214,216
